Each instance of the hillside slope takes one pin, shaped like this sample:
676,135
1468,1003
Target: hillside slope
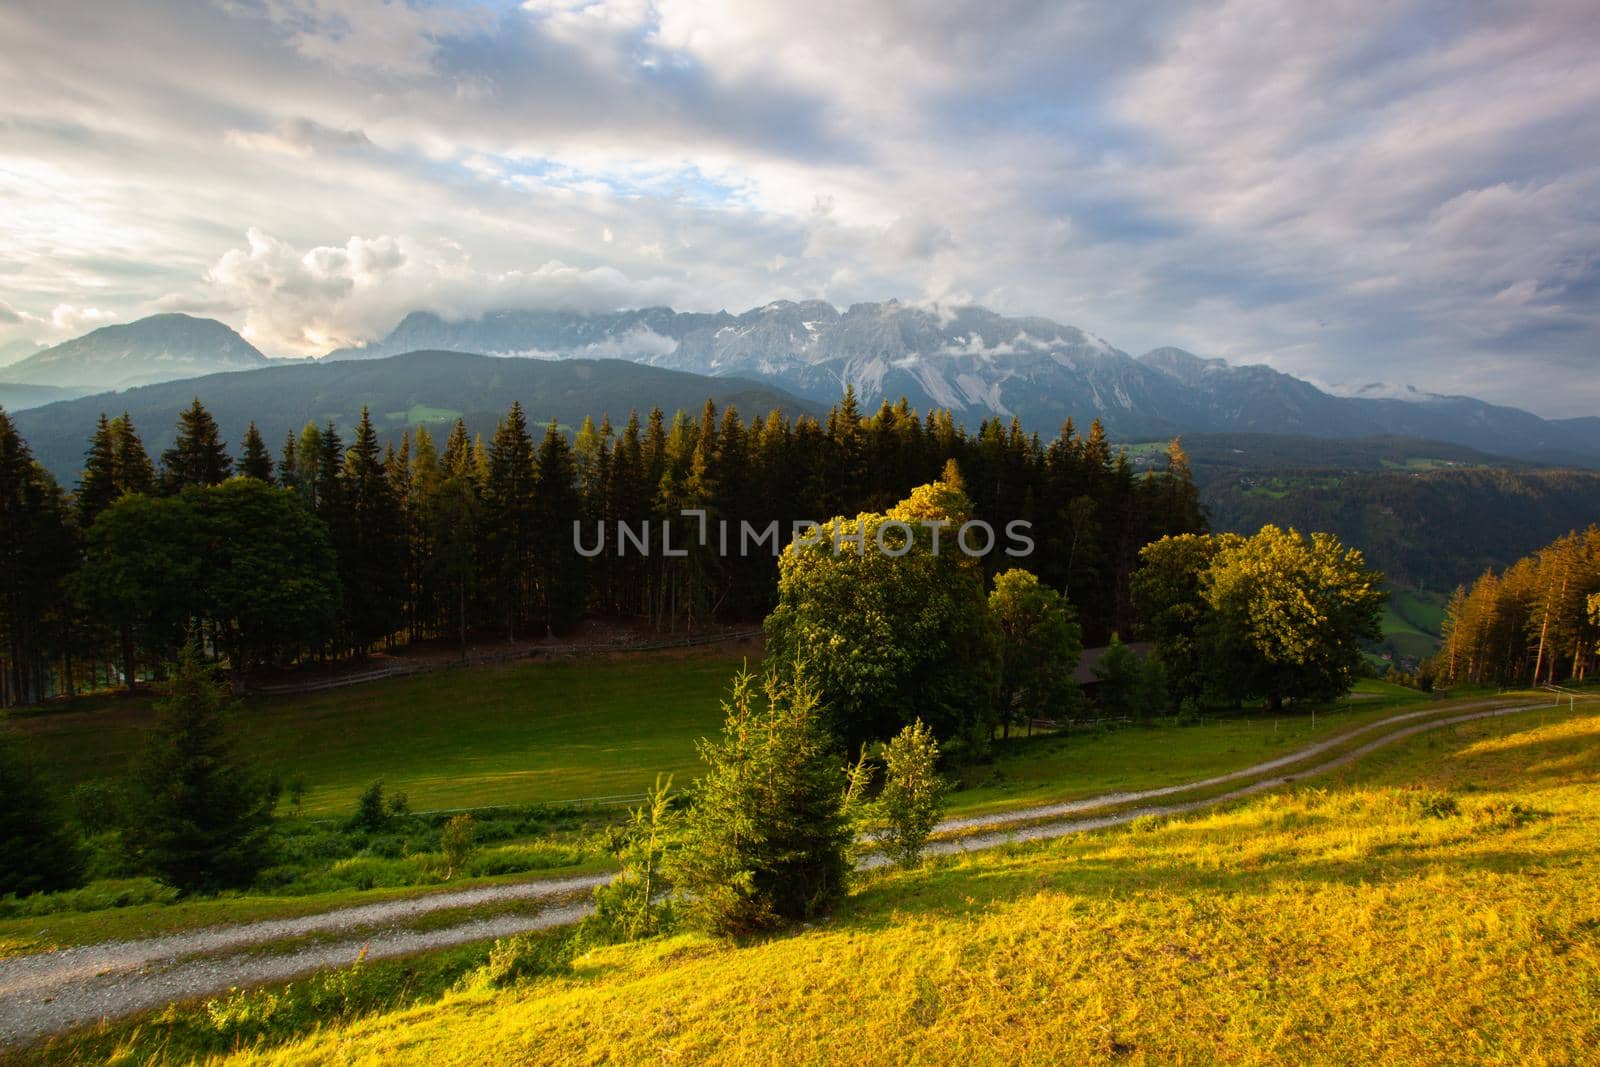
160,348
1432,905
431,387
1431,529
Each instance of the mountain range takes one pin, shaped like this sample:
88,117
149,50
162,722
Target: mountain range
971,360
981,364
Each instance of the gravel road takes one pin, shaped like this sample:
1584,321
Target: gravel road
46,993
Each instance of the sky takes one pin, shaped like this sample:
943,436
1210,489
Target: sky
1348,191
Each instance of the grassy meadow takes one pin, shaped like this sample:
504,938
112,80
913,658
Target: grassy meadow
555,732
1437,902
527,733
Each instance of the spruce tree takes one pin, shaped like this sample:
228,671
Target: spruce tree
135,472
288,465
370,543
198,456
254,459
97,486
39,853
201,815
509,513
766,841
563,580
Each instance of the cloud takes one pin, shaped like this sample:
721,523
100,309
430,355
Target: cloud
1333,190
306,302
298,137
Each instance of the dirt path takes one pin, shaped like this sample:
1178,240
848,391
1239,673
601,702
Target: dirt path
47,993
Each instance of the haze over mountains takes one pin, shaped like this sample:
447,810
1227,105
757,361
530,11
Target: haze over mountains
969,359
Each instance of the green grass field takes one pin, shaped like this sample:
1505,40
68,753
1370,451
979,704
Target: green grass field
1435,903
566,730
522,734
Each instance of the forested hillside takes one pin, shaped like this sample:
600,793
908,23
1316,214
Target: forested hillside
1429,529
416,388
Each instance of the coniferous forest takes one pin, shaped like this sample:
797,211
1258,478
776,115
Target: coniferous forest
317,548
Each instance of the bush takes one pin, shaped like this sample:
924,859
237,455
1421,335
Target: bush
456,841
371,814
517,959
1435,805
99,806
913,794
97,896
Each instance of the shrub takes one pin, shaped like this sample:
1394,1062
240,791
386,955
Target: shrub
99,806
372,814
517,959
913,794
1435,805
456,841
632,905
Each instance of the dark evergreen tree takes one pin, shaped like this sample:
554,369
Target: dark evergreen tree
38,550
135,473
39,853
254,459
97,486
201,815
561,575
370,542
509,514
199,456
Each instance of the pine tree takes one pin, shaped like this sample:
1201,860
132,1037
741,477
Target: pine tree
766,841
135,472
371,548
288,463
509,513
38,851
199,456
201,816
97,487
37,552
254,459
562,578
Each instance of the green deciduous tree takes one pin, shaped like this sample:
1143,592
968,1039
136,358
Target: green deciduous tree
1119,675
1040,646
891,635
1299,607
766,840
201,815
